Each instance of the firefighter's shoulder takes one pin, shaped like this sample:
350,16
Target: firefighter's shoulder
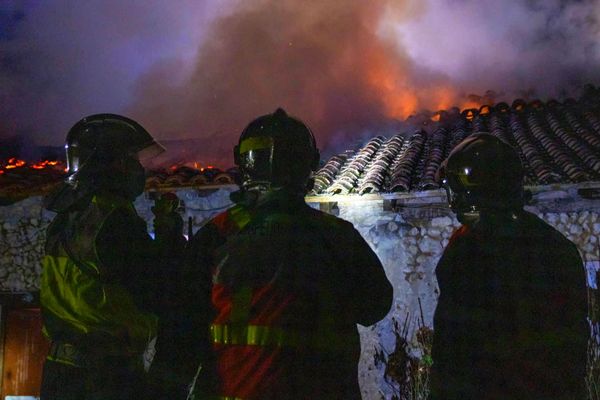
329,221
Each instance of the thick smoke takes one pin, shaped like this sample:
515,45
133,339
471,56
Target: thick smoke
63,59
349,69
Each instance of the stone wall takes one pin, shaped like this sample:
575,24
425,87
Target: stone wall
408,233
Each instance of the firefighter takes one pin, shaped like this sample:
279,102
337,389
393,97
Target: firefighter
288,283
96,286
511,317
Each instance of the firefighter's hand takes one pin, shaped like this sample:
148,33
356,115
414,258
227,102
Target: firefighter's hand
167,222
166,204
168,225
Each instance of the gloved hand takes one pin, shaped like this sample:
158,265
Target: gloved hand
168,224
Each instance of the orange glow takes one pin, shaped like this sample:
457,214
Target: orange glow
443,97
436,117
470,104
40,165
14,163
398,100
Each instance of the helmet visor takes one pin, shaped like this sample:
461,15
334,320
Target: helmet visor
257,165
256,159
150,151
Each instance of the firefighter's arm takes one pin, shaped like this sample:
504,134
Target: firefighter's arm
129,263
372,290
168,224
567,326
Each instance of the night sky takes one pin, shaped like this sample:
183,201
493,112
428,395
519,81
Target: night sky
350,69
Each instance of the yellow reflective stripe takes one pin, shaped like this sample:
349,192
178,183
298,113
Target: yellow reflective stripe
253,335
256,143
63,361
64,353
240,216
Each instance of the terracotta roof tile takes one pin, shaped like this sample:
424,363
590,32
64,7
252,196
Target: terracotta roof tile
557,143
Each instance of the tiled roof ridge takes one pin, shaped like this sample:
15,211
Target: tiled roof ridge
557,142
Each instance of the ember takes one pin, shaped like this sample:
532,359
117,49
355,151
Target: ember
14,163
44,164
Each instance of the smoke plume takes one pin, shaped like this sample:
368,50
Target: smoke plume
348,69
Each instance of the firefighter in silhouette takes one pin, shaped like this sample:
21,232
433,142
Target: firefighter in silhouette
96,288
511,317
288,283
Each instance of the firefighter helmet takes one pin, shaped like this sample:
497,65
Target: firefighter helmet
482,172
276,151
102,138
103,153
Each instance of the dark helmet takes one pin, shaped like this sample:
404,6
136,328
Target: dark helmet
103,153
96,140
276,151
482,172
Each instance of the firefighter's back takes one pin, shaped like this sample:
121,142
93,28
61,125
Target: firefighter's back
286,292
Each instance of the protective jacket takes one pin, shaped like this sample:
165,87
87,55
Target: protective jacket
511,317
93,304
289,285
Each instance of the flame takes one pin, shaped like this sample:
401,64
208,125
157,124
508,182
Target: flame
389,84
40,165
14,162
470,104
436,117
400,100
444,97
485,110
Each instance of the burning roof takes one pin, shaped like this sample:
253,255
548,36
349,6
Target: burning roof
20,179
557,142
